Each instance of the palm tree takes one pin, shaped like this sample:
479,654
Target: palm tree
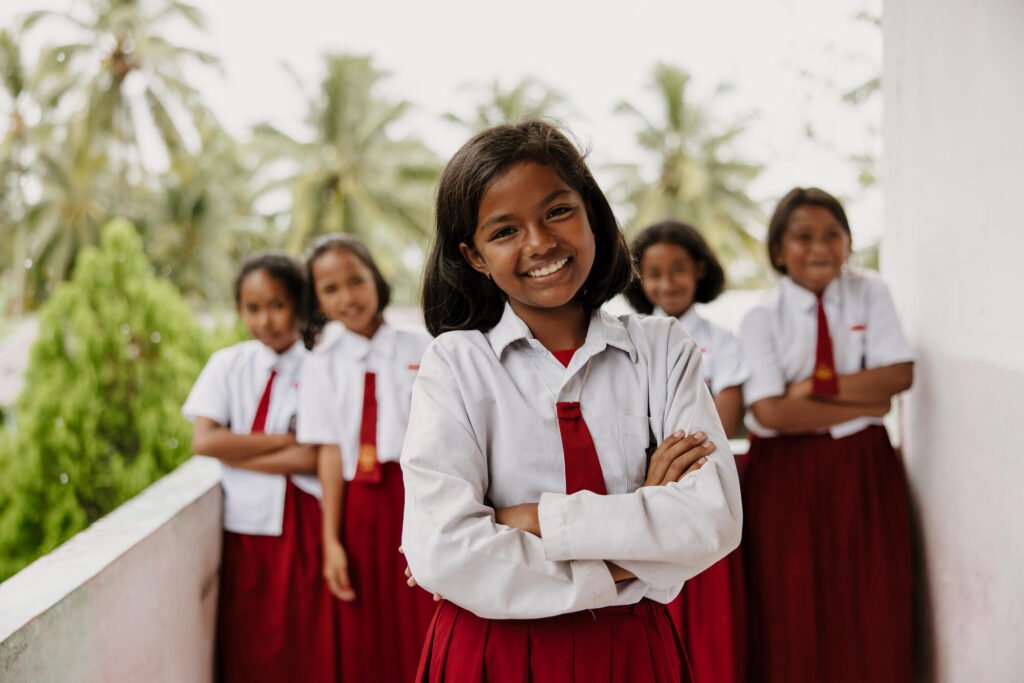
14,163
697,179
350,174
528,97
124,77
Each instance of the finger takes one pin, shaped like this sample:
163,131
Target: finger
347,593
684,461
401,550
437,597
694,467
670,449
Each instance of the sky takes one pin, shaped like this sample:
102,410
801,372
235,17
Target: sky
787,61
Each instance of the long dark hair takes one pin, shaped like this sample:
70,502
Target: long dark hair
794,199
314,314
690,240
457,297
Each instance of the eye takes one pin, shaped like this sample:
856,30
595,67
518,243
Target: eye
501,232
558,211
328,288
252,308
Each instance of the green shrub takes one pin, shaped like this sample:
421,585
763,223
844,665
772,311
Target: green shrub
99,417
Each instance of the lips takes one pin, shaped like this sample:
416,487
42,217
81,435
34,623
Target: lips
549,269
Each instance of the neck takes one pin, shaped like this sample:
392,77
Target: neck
372,329
557,329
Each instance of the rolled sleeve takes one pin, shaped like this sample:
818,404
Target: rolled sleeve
766,378
316,422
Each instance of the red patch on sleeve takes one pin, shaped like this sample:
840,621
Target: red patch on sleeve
413,366
858,328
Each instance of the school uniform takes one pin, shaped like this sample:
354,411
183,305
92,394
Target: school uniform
498,421
356,394
711,611
274,620
827,540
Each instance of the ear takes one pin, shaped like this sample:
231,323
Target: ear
700,270
474,259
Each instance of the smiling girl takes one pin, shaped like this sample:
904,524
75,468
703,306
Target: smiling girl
274,617
827,540
354,407
534,504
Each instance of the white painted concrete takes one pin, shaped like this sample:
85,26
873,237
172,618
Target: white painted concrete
132,598
952,251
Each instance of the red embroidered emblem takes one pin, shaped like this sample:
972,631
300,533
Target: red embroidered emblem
858,328
413,366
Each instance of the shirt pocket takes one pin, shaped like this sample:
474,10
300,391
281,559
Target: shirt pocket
635,436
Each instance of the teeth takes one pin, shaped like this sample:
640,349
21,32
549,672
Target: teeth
547,270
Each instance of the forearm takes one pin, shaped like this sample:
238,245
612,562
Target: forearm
225,445
802,415
297,459
332,483
729,404
877,385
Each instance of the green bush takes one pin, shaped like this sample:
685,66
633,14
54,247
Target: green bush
99,418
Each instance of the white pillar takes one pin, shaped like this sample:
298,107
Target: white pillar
953,253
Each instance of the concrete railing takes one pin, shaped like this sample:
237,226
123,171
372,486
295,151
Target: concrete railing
132,598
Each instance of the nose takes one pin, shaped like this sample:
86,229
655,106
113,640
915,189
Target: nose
539,240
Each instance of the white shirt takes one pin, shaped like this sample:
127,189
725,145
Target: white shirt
779,338
228,391
331,398
719,349
483,435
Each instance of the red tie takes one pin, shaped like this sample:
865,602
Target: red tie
582,466
824,382
259,422
368,471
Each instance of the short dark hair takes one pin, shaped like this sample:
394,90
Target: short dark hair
316,320
282,268
794,199
690,240
457,297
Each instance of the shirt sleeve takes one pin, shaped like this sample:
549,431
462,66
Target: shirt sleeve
315,423
211,396
450,538
730,370
886,344
662,534
766,378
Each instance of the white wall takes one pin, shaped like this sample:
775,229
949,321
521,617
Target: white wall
953,252
133,598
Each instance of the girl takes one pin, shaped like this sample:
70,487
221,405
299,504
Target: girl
530,405
355,397
827,539
677,268
274,620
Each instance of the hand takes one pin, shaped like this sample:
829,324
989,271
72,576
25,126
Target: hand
336,572
411,580
877,409
523,517
801,389
677,456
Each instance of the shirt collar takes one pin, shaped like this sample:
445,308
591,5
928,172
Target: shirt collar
805,300
283,362
604,330
357,346
691,320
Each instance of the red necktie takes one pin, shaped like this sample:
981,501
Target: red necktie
368,471
259,422
824,382
582,466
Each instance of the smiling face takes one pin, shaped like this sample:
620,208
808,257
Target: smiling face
267,310
814,247
533,238
669,277
346,291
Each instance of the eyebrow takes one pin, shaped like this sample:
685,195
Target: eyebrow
508,216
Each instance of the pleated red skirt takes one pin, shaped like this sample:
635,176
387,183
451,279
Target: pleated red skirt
828,560
628,643
711,617
275,617
383,630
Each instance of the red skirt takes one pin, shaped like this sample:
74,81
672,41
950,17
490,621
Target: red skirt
711,617
828,559
383,629
628,643
275,616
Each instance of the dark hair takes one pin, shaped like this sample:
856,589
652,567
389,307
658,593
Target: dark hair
687,237
794,199
321,245
457,297
282,268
